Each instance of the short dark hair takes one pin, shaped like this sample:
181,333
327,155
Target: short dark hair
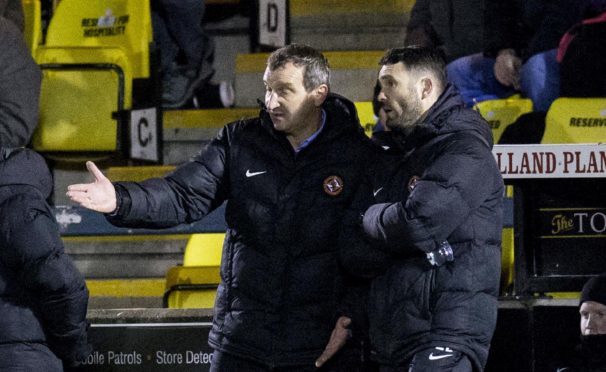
418,58
317,70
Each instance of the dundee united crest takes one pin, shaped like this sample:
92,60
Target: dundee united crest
333,185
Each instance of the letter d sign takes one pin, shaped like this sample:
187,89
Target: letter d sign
272,22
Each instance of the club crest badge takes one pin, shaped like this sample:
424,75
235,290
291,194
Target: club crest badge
412,182
333,185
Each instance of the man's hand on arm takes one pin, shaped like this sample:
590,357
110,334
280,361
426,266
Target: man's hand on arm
507,68
340,334
99,195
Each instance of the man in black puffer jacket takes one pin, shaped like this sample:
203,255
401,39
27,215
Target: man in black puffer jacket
43,297
287,176
432,238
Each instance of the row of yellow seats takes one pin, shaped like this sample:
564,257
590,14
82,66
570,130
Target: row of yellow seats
569,120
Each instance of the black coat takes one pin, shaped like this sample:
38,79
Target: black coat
588,356
280,282
443,185
43,297
528,26
20,79
456,26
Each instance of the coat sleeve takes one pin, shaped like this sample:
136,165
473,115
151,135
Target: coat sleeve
188,194
419,30
358,255
451,188
53,282
20,79
502,27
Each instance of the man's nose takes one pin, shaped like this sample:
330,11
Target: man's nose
382,97
271,101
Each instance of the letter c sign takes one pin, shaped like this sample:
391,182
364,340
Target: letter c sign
143,138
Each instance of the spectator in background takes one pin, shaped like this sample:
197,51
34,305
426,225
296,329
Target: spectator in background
521,39
288,177
13,11
20,79
43,297
582,71
581,55
590,354
186,56
454,26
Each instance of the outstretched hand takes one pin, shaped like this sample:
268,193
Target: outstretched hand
338,338
99,195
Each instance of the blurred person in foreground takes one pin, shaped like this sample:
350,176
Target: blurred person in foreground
43,297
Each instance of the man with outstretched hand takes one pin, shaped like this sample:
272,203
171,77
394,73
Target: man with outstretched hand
287,176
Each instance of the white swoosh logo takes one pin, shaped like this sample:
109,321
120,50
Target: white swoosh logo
375,192
252,174
436,357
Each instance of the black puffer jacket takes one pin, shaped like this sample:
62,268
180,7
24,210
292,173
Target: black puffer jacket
588,356
528,26
281,283
456,196
20,79
456,26
43,298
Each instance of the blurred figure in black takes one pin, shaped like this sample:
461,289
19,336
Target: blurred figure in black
43,297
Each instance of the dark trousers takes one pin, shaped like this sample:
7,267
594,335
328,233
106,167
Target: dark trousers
347,360
437,359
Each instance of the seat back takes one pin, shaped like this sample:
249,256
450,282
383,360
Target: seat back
191,287
576,120
500,113
204,250
125,24
79,97
366,116
32,13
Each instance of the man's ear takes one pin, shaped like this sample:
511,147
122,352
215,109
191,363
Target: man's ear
319,94
427,87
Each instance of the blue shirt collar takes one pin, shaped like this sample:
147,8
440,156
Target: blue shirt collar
309,139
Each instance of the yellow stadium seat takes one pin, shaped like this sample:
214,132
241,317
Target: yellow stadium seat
576,120
191,287
204,249
125,24
366,116
32,13
507,258
500,113
93,51
507,249
194,284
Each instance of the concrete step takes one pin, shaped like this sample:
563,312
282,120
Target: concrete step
353,75
125,257
349,25
187,132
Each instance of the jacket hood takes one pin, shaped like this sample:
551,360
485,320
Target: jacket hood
21,166
341,117
449,115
